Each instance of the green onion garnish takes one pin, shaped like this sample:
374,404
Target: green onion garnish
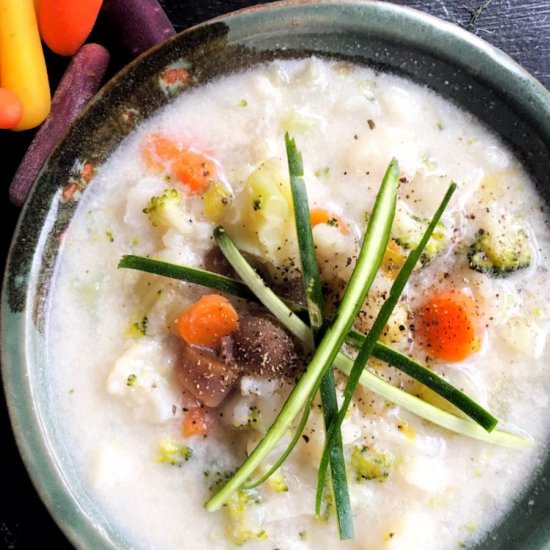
315,306
370,340
374,244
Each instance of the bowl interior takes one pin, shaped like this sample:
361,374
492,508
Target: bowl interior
459,66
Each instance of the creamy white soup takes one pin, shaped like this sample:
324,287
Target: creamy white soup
153,438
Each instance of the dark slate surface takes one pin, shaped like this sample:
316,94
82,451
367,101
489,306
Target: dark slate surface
519,27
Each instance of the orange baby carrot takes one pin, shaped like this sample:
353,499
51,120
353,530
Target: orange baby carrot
65,24
159,153
207,321
11,109
446,326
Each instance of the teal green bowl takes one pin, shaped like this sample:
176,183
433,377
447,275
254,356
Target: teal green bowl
459,66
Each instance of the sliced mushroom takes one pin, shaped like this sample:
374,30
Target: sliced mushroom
205,375
262,347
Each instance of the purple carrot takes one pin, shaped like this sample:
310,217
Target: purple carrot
80,82
141,23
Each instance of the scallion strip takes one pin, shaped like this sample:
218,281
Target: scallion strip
370,340
315,305
189,274
370,256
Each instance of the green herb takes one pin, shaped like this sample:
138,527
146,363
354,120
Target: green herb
440,125
373,335
131,380
315,306
371,464
257,204
110,236
243,103
368,262
322,172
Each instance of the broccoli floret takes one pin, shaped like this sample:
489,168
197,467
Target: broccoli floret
237,528
500,254
408,232
163,210
169,452
371,464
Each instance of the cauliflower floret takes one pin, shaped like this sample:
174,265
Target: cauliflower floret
142,377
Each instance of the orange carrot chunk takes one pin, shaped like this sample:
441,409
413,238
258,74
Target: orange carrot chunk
65,24
320,215
207,321
159,153
11,109
194,170
195,422
446,326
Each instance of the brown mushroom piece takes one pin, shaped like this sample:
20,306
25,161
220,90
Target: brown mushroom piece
262,347
205,375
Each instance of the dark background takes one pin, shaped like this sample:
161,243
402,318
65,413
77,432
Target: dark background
519,27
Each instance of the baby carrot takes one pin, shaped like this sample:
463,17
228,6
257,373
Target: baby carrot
159,153
320,215
65,24
11,109
22,65
446,326
207,321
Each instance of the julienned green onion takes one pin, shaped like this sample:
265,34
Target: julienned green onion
381,351
370,340
188,274
315,305
370,256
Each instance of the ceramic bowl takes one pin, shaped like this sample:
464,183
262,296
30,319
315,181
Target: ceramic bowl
459,66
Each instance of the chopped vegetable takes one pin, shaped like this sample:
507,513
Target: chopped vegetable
194,170
204,374
169,452
159,153
139,24
237,529
446,326
371,464
320,215
277,483
22,65
408,231
11,109
207,321
196,422
215,201
500,254
65,24
315,305
79,83
164,210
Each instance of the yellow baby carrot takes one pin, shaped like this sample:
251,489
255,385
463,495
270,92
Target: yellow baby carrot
22,65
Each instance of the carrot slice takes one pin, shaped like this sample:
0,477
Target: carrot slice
196,422
320,215
194,170
446,326
159,153
207,321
